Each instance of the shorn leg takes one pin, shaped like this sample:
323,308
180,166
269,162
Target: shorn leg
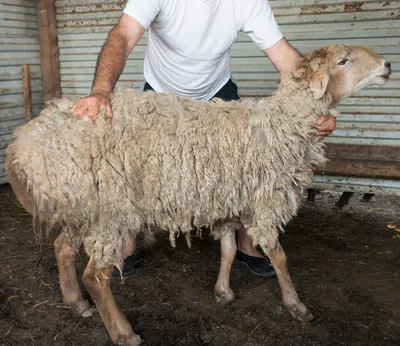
289,295
97,282
71,292
222,290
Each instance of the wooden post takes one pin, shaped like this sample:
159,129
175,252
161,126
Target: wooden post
26,78
48,41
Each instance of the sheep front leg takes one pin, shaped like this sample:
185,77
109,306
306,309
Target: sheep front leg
289,295
97,282
71,292
223,291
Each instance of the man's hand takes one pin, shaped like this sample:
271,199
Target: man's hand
120,42
90,105
325,124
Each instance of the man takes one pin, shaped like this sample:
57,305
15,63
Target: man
188,54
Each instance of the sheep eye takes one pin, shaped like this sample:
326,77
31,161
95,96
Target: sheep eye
343,61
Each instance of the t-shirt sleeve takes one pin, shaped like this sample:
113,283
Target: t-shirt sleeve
260,24
144,11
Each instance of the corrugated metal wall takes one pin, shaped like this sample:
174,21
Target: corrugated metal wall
83,26
18,45
365,148
371,118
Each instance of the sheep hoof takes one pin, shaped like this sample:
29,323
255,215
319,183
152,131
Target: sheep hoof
224,297
81,308
87,313
301,312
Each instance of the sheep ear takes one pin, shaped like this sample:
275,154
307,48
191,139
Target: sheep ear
319,83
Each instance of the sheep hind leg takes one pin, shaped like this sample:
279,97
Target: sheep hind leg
289,295
222,291
72,294
97,282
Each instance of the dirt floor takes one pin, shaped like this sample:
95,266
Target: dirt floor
344,264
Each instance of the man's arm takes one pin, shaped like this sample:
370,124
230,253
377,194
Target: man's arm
284,57
120,42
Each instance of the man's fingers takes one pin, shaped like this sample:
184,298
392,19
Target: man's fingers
326,121
75,106
322,119
90,105
325,129
109,113
81,111
93,109
326,126
323,134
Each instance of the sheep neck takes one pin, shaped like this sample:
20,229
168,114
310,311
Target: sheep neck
295,101
295,97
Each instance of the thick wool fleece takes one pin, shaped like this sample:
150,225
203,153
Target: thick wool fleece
170,162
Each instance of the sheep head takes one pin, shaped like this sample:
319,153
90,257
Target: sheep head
342,70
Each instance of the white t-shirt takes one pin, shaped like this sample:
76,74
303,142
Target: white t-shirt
189,41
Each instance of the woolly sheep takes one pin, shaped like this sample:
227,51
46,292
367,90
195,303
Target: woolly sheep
179,164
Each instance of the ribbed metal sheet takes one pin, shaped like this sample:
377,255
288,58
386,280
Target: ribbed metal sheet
372,117
353,184
18,45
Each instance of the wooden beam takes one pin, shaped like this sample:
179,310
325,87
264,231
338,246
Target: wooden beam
362,168
362,161
48,42
26,78
357,151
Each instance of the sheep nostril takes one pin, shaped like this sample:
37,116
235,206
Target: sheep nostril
387,64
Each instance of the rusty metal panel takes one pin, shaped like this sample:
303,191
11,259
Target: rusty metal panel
18,45
369,119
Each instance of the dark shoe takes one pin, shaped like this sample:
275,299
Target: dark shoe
128,267
257,265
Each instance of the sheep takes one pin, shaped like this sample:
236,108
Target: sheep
179,165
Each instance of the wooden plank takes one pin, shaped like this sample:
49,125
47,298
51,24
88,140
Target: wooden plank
363,152
26,78
50,67
362,168
362,161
